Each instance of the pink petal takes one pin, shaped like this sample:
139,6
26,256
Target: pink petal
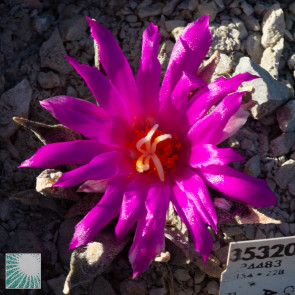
149,73
196,191
85,118
187,210
234,124
102,89
101,167
204,99
208,154
239,186
210,128
132,206
183,88
94,186
115,64
188,53
105,211
73,152
149,237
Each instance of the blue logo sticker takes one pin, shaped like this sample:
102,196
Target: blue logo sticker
23,271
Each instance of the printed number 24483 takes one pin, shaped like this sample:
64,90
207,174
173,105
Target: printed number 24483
263,252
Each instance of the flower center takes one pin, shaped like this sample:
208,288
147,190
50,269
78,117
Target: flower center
156,152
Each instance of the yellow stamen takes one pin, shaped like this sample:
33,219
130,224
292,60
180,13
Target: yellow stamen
149,153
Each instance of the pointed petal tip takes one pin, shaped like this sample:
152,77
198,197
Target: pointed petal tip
135,275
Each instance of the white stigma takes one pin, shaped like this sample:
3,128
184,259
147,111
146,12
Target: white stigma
149,153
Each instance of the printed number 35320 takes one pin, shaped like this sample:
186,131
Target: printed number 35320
263,252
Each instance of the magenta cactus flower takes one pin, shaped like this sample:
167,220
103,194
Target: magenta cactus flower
148,145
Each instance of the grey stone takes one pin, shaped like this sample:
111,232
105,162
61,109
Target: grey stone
282,144
41,24
172,24
285,174
259,234
288,36
253,46
291,62
284,228
102,286
271,58
224,66
209,8
292,228
199,276
176,32
261,8
158,291
128,287
251,23
291,188
213,288
225,38
247,145
252,166
220,3
232,231
273,26
169,7
48,80
250,231
14,103
131,18
263,143
65,235
56,284
193,5
241,27
292,8
186,292
74,28
286,117
51,53
269,93
182,275
221,254
247,8
152,10
5,209
3,236
24,241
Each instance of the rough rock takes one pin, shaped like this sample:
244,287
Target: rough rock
241,27
182,275
14,103
292,8
3,236
291,188
282,144
291,62
172,24
48,80
176,32
169,7
51,53
269,93
56,284
224,66
65,236
152,10
102,286
209,8
199,277
25,241
251,23
73,29
286,117
271,58
253,46
252,166
273,26
285,174
5,209
247,8
213,288
132,287
225,38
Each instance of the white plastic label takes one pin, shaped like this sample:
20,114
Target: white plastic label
260,267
